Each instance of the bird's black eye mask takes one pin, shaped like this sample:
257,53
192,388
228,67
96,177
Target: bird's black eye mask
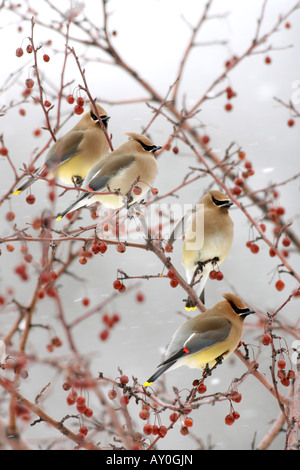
149,148
104,118
243,312
223,203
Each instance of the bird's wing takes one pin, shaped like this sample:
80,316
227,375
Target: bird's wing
213,331
181,225
98,177
64,149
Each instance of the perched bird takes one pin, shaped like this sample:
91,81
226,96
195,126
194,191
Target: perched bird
208,239
72,156
126,174
206,338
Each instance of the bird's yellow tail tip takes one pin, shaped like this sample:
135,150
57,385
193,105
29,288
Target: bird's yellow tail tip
146,384
17,191
190,308
59,217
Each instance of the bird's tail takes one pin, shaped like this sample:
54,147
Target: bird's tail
199,286
28,182
79,202
158,373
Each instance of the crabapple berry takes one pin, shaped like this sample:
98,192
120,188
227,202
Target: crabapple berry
279,285
30,199
78,109
281,364
147,429
112,394
229,419
19,52
286,241
266,339
29,83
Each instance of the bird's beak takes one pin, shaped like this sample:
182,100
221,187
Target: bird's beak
157,147
227,204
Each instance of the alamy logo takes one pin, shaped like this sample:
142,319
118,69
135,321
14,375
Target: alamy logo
163,221
296,94
296,354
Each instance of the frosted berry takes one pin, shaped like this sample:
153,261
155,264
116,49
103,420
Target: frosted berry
104,335
78,109
254,248
144,414
162,431
184,430
266,339
121,247
29,83
174,282
3,151
147,429
137,190
219,276
10,216
175,150
286,241
281,364
229,419
188,422
124,379
80,101
46,58
140,297
173,417
30,199
86,301
112,394
19,52
291,122
228,107
169,248
117,284
280,285
201,388
236,396
70,99
268,60
124,400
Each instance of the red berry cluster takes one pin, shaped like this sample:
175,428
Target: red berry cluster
73,398
173,279
98,246
118,285
55,342
201,387
284,377
109,321
230,94
218,275
254,248
231,417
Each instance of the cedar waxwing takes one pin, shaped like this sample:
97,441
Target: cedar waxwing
74,154
131,164
208,240
207,337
